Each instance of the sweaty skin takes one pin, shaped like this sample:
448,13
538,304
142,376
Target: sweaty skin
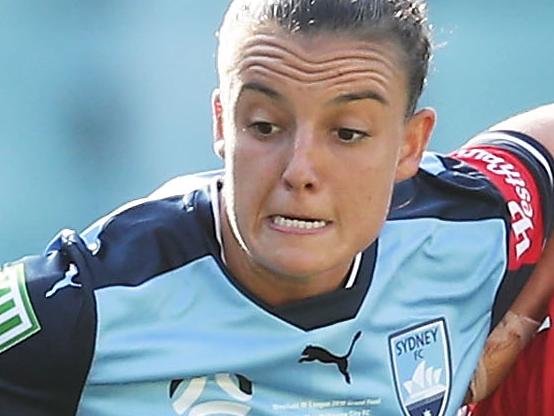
314,134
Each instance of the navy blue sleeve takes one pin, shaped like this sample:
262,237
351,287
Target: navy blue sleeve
47,330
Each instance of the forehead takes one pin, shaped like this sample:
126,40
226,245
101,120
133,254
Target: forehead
331,62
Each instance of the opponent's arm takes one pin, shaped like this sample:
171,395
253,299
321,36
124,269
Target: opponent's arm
537,123
533,300
530,306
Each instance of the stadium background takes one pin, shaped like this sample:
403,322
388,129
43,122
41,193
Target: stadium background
101,101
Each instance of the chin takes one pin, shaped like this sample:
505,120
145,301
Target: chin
300,269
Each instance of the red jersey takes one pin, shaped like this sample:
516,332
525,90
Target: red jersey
528,389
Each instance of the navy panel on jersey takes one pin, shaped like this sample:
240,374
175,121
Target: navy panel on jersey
45,374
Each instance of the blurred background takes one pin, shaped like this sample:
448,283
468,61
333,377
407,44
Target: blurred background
101,101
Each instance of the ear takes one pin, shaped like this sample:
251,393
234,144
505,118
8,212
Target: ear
217,121
417,134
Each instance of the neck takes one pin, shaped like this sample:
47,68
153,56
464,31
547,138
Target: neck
268,285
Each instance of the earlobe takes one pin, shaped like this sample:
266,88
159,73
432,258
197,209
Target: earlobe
418,132
217,121
219,148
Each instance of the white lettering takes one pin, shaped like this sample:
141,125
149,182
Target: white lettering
520,224
523,193
521,210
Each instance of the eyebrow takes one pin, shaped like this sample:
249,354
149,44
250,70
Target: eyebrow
357,96
341,99
257,87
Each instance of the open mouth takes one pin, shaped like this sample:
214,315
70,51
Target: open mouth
298,223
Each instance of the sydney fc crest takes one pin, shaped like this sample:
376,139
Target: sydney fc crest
420,358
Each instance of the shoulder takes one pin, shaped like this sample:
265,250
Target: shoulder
446,188
49,303
508,167
147,237
46,307
136,242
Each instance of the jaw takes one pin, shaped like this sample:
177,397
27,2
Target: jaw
280,273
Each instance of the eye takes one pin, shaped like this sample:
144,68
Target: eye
264,128
350,135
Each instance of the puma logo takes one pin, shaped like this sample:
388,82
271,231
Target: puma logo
315,353
66,281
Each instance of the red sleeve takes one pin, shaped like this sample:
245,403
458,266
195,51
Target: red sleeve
528,389
520,189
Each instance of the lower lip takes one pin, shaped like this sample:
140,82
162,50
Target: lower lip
296,231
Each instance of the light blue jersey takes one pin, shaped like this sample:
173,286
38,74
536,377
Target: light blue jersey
140,316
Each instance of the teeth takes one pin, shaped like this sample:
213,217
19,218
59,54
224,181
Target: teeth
301,224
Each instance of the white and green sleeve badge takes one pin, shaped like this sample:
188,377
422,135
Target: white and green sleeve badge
17,317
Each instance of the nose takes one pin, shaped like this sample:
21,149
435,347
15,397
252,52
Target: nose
301,171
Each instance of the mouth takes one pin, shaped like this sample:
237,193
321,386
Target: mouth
298,223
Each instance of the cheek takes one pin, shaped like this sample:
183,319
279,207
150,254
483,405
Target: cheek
251,183
250,168
367,224
372,203
245,151
369,199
